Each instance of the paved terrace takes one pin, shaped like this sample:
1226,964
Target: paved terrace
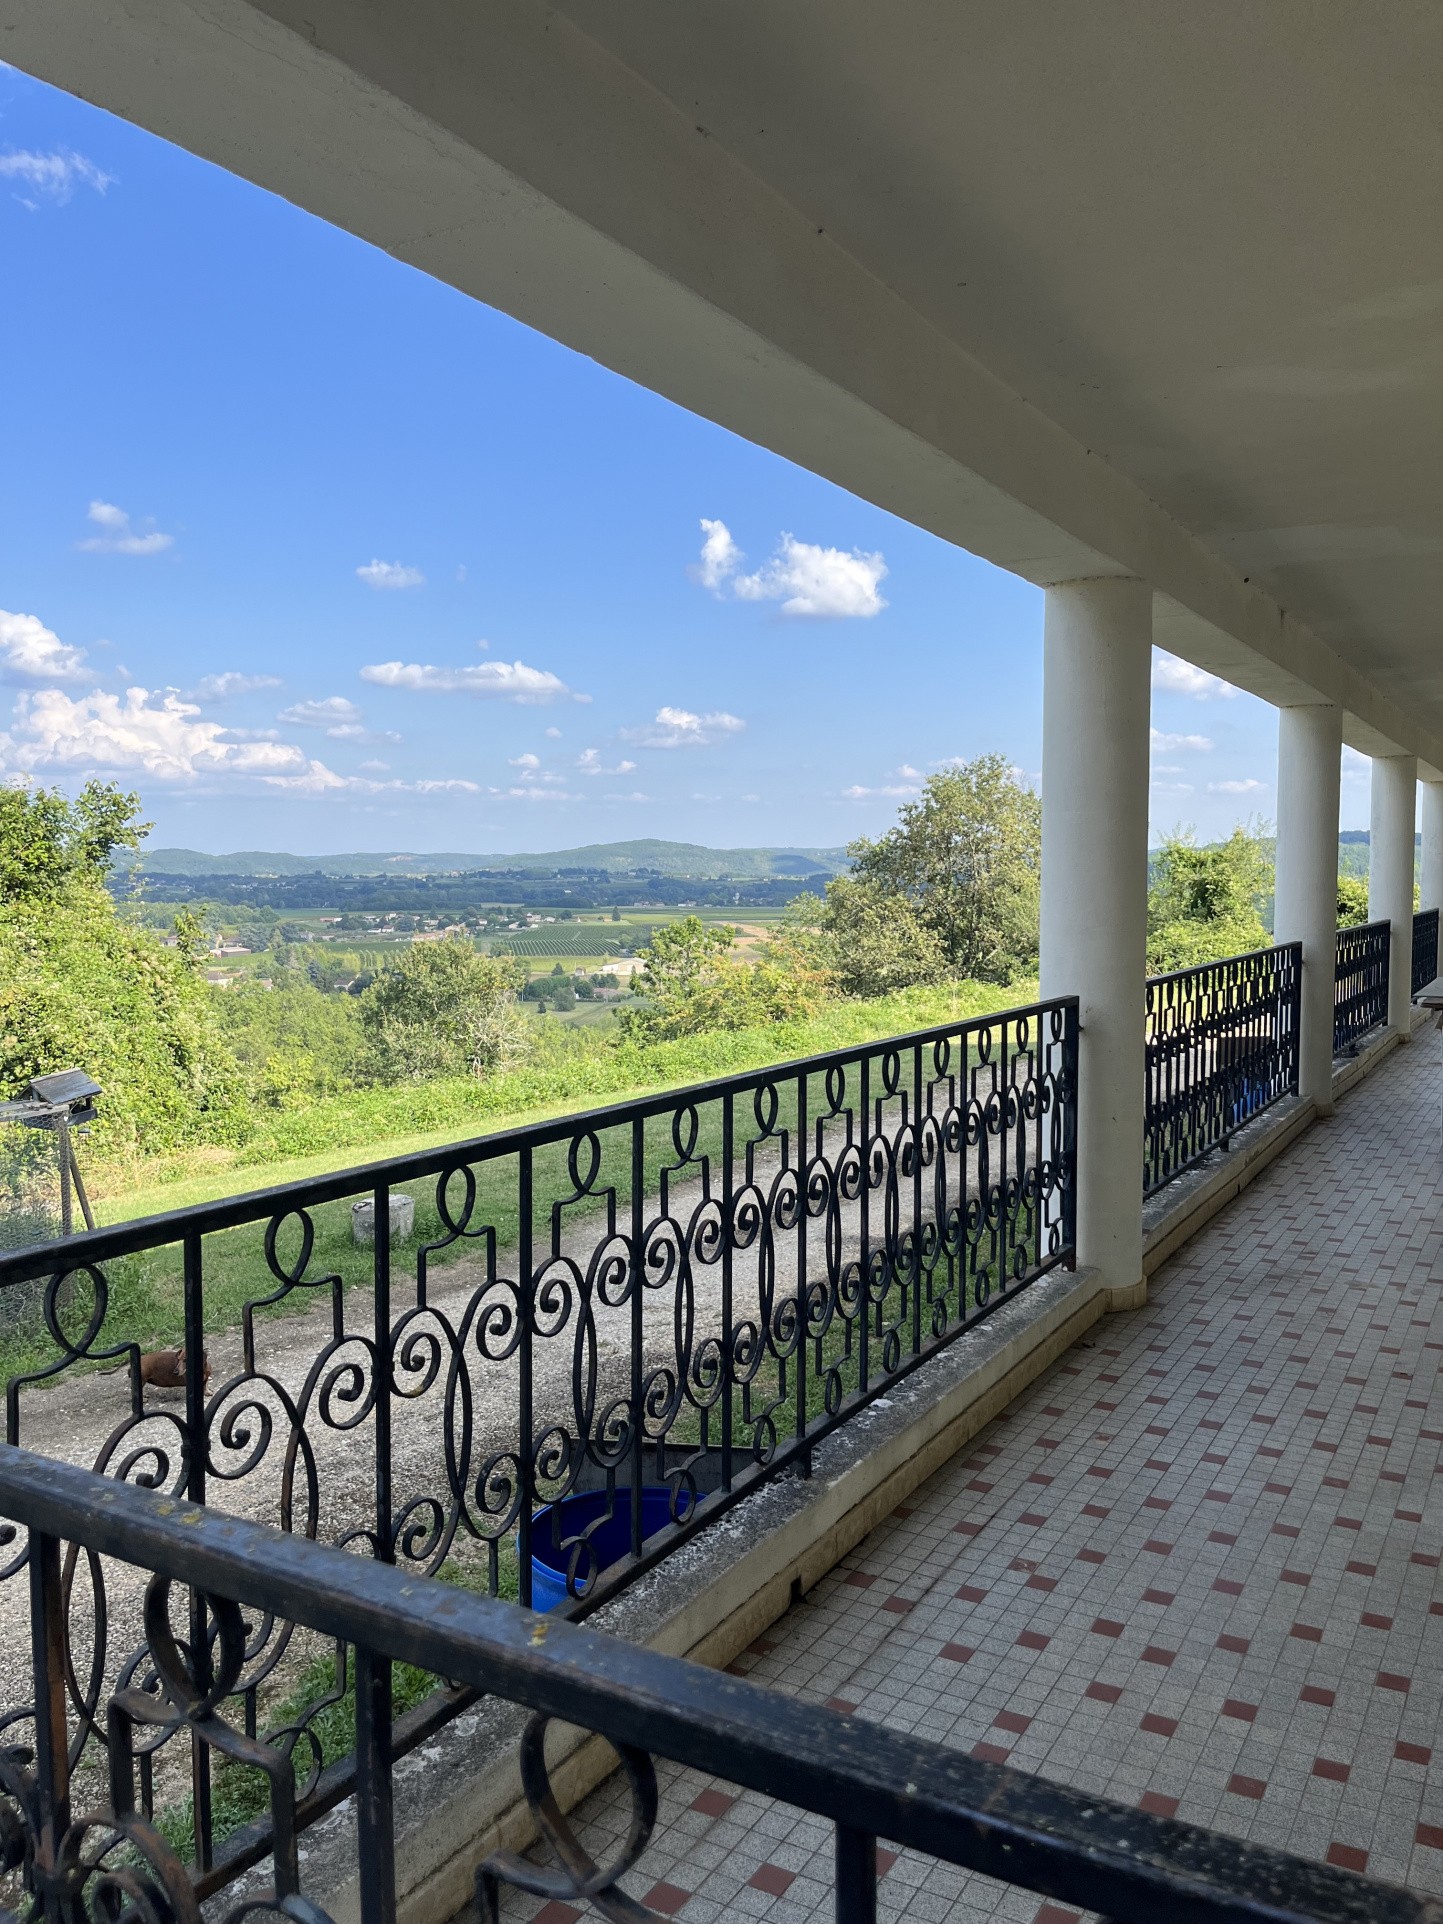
1195,1567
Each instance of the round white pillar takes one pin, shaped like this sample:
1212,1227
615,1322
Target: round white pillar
1390,874
1097,660
1430,867
1305,903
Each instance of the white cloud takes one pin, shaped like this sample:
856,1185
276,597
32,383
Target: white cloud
526,761
53,176
897,791
118,535
232,682
680,728
907,773
1166,744
589,762
157,735
1249,786
390,574
553,734
488,680
531,792
720,555
28,647
376,768
1357,767
808,580
339,716
635,796
1181,678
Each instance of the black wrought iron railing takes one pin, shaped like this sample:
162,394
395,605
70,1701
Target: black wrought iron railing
1222,1044
536,1363
215,1577
1425,949
1361,975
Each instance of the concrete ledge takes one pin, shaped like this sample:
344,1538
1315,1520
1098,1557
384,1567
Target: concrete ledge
459,1797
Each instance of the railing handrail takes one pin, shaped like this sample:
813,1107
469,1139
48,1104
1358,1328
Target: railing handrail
230,1212
1225,961
1360,929
913,1791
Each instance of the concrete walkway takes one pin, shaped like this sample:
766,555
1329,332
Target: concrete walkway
1195,1568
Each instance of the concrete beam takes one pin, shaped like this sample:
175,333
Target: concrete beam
502,149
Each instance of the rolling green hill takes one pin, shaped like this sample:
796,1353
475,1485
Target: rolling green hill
673,859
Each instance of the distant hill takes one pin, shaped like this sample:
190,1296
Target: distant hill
674,860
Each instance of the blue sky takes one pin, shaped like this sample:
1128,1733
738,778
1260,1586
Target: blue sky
281,518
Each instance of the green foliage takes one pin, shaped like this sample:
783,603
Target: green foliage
294,1044
50,845
692,984
1206,903
950,892
444,1010
1352,901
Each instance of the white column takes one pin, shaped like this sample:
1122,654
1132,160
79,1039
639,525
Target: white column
1097,658
1310,753
1390,873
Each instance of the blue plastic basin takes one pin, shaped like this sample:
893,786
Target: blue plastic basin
610,1541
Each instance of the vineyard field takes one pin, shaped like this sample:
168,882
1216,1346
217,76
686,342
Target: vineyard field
562,942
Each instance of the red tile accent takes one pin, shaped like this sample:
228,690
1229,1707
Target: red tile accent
1096,1469
1412,1753
713,1803
1012,1720
1409,1516
1105,1627
1228,1586
1218,1496
899,1606
1095,1509
1213,1457
772,1879
1159,1806
1307,1631
1041,1583
1286,1530
1238,1645
1347,1523
1055,1914
1372,1621
1221,1536
1034,1518
1158,1726
966,1529
1335,1772
885,1860
1090,1556
859,1579
1429,1563
1431,1835
1157,1503
1279,1489
1155,1653
556,1912
1363,1569
666,1898
1347,1857
1391,1680
971,1593
1315,1694
1034,1640
1038,1477
847,1707
1246,1786
958,1652
1297,1576
991,1753
978,1484
1157,1547
1235,1707
1156,1463
1158,1596
1103,1693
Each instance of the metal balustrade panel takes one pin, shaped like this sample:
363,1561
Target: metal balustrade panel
538,1362
1425,949
1221,1046
1360,1000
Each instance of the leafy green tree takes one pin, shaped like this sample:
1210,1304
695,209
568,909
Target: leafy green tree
691,982
1352,901
294,1044
1205,903
49,844
444,1010
951,891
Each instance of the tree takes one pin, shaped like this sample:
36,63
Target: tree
49,844
951,891
1206,903
1352,901
444,1010
692,983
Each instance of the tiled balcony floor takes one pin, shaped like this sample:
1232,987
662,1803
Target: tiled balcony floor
1195,1567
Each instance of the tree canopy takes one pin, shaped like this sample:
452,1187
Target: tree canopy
444,1010
50,844
1204,903
951,891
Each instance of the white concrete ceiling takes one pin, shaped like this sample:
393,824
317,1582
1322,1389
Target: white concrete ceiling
1135,285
